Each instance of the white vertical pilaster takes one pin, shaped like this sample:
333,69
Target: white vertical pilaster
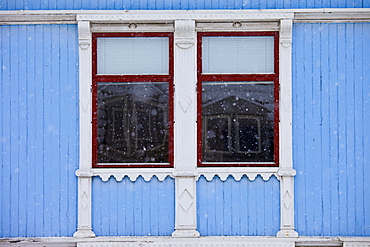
185,149
84,173
286,172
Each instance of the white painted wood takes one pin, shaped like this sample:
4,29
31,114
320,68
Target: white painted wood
237,26
326,15
84,173
133,173
208,172
185,225
330,16
185,142
84,229
185,101
209,242
355,241
238,172
169,241
286,171
132,27
199,15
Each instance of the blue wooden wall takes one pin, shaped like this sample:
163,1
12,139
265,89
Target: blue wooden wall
39,144
137,208
231,208
177,4
331,117
38,130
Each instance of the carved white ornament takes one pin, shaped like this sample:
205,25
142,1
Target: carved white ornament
133,173
147,174
185,200
185,103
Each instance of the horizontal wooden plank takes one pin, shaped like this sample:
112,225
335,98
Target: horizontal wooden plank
125,16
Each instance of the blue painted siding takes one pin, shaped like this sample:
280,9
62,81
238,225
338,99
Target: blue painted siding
177,4
39,130
331,116
232,208
137,208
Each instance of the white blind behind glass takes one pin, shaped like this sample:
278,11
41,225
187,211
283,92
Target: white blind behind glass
238,54
133,55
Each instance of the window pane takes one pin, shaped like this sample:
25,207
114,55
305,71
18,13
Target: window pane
133,55
238,55
238,121
133,122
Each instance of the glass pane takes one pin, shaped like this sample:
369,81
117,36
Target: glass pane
238,121
238,54
218,133
133,122
133,55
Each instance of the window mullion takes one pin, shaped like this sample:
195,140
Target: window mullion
185,116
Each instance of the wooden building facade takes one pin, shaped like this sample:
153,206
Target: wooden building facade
311,113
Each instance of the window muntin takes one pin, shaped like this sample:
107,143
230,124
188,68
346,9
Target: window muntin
132,115
238,109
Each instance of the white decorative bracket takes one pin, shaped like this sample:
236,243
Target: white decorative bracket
84,174
286,171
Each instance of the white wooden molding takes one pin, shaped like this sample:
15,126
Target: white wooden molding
132,27
326,15
238,172
202,241
355,241
199,15
185,129
286,171
207,242
84,174
242,26
209,173
133,173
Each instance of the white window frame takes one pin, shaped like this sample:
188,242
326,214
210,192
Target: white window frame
185,25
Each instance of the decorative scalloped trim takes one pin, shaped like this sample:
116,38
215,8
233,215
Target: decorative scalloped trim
238,172
133,174
209,173
237,176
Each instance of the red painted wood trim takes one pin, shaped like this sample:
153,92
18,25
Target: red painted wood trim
133,78
238,77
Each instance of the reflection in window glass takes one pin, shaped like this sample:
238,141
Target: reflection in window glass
238,121
133,122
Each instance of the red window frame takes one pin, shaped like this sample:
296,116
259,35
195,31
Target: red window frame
132,78
238,77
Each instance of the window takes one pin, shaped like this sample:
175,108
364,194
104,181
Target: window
132,99
238,92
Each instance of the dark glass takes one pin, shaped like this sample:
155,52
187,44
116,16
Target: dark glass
133,122
238,121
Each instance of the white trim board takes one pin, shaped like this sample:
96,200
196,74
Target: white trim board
202,241
326,15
